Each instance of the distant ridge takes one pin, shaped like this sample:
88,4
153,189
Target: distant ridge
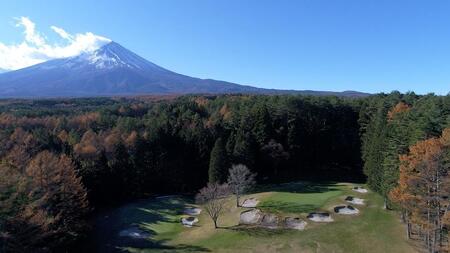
113,70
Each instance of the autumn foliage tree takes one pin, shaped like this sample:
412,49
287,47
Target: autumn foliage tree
423,189
51,213
128,148
399,108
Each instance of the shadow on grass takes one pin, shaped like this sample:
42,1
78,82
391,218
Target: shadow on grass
256,231
158,246
143,215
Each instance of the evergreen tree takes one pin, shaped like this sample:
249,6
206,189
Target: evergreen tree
121,173
262,128
218,163
244,150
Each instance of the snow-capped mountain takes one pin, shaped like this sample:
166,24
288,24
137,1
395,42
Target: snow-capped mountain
110,70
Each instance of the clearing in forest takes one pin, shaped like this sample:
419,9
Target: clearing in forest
371,230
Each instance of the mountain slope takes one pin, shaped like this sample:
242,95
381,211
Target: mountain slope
110,70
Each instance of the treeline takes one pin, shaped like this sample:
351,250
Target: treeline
113,150
405,148
104,151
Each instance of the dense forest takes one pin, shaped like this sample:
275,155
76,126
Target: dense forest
406,153
63,159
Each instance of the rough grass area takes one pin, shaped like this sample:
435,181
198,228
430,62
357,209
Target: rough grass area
373,230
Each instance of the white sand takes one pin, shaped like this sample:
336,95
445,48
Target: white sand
135,233
269,221
189,221
320,217
346,210
360,189
250,217
250,203
295,223
354,201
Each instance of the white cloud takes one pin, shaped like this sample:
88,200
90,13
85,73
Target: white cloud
35,48
61,32
31,35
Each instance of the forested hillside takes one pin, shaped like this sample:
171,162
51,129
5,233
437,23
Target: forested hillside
61,155
390,125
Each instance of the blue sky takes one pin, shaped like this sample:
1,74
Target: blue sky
371,46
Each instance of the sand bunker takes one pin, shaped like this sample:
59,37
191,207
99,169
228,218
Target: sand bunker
250,203
355,201
135,233
269,221
189,221
295,223
250,217
192,211
360,189
320,217
346,210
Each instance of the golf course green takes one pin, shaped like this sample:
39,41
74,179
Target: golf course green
157,222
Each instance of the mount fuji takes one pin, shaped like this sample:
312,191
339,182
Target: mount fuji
113,70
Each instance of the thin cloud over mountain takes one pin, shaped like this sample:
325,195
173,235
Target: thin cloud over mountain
35,48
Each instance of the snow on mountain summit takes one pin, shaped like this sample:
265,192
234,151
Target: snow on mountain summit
109,70
112,55
109,56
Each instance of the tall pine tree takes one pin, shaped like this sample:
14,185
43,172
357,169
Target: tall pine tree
218,163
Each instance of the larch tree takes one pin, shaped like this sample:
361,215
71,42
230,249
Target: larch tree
396,142
424,187
58,196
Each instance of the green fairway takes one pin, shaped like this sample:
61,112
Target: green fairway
299,197
373,230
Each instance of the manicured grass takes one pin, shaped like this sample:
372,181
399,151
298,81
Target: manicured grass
299,197
373,230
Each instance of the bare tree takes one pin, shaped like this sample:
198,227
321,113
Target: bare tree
213,198
240,180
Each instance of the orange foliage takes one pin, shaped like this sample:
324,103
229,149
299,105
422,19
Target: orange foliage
63,136
60,197
424,183
397,109
201,101
122,110
84,121
445,138
111,140
131,139
225,112
89,145
21,146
